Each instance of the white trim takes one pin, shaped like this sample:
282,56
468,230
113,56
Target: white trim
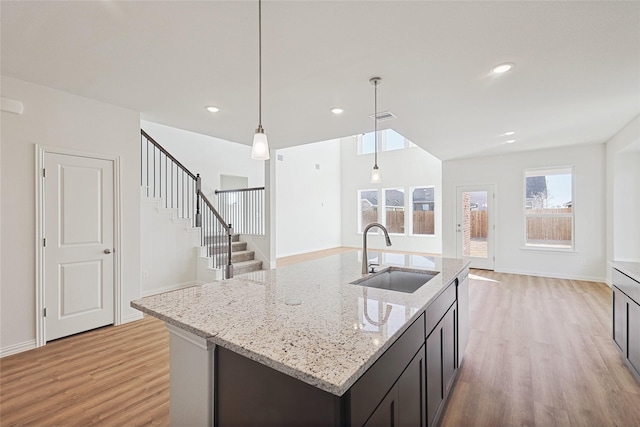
196,340
40,152
17,348
167,288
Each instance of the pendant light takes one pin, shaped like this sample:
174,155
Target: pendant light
375,173
260,149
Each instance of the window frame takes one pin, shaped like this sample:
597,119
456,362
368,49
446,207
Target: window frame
544,171
382,213
382,142
411,210
359,201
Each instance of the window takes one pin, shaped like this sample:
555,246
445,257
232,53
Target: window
388,140
367,208
422,210
548,206
394,210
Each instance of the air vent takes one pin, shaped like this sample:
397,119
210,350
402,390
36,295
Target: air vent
384,115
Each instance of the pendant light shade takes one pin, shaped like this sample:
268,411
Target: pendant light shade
375,175
376,178
260,149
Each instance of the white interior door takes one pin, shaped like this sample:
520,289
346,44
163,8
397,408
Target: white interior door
79,245
475,226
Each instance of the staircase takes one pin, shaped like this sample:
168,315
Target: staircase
164,178
243,260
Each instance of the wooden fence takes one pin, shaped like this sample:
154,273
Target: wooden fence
538,228
423,221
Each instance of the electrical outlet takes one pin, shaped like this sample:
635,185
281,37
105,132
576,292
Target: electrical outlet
145,274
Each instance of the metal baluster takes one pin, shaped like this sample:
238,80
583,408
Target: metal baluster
147,168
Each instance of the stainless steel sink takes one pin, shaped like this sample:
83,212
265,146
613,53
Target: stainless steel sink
396,279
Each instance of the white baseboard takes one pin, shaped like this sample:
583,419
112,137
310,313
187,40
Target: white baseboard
17,348
167,288
553,275
131,317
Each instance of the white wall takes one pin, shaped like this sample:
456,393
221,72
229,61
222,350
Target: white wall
623,195
168,249
399,169
208,156
505,172
57,119
308,199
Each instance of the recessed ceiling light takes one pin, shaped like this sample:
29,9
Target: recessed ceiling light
503,68
337,111
212,109
509,133
510,141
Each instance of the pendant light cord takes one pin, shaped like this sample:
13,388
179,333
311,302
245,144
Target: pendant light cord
260,64
375,121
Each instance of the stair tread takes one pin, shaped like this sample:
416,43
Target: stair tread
250,262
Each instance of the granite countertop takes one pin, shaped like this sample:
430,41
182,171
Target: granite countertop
631,269
306,320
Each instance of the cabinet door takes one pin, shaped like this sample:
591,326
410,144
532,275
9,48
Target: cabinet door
633,336
620,319
448,349
386,414
411,393
434,372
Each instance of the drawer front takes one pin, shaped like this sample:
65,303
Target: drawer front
627,285
438,308
374,384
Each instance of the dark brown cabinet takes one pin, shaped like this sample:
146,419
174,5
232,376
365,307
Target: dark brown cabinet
626,319
462,326
404,405
441,363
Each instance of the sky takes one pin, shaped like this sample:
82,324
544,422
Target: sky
559,189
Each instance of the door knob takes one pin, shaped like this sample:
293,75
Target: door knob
107,251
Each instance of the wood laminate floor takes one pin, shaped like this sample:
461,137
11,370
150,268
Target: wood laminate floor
540,354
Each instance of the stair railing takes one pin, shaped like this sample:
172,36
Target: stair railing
216,237
244,208
163,176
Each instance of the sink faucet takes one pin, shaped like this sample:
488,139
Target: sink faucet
364,243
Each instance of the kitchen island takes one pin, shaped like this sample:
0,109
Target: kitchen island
303,345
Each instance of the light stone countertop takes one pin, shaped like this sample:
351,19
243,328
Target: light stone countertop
306,320
631,269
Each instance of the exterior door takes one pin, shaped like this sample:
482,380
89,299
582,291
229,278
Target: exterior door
79,244
474,225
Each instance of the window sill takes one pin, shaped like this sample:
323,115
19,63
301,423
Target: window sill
554,250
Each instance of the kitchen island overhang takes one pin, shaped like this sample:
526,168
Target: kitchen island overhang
306,321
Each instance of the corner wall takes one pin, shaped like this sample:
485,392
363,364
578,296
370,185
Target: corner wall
506,173
308,198
623,195
57,119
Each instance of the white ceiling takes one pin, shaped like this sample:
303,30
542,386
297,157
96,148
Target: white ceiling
576,80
